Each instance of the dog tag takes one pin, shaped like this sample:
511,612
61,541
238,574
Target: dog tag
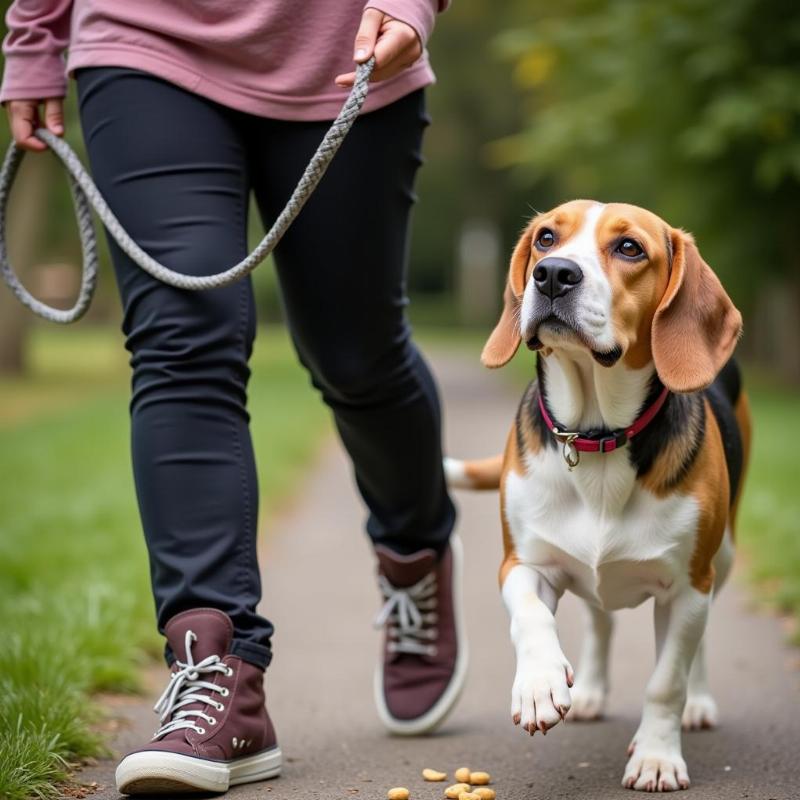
571,455
570,452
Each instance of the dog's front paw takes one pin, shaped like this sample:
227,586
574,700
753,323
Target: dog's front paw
540,697
588,700
700,712
655,769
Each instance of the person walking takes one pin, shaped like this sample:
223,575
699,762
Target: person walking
185,109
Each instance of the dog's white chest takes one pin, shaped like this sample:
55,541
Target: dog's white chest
596,532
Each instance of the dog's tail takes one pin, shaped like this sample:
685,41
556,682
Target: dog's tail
481,474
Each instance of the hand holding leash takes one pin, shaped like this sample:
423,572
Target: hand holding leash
393,44
25,117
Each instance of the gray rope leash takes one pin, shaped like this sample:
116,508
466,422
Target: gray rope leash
85,196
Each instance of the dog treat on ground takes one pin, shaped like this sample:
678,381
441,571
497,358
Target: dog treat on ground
453,792
484,792
462,775
479,778
468,796
434,775
398,793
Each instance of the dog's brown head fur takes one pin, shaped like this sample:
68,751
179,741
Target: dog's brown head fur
618,281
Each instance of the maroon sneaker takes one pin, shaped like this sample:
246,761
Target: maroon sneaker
424,659
215,731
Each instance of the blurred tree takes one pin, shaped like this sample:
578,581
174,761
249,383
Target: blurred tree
472,103
688,107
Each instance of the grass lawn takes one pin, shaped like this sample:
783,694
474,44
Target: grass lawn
768,530
74,594
769,519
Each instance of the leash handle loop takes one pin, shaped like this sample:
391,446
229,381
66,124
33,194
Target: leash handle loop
86,196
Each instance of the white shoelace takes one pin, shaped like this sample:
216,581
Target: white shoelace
404,609
183,688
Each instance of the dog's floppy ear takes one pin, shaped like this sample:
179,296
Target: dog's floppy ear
696,326
505,338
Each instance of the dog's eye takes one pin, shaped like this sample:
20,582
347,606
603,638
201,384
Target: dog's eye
629,248
545,240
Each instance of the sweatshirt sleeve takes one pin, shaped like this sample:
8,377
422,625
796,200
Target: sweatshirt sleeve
38,35
419,14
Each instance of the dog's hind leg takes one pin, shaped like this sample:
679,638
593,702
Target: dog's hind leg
700,711
591,679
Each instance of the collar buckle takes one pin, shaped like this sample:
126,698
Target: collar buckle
613,442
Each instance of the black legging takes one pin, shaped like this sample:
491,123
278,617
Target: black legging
177,170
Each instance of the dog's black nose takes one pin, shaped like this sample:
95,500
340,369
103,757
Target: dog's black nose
556,276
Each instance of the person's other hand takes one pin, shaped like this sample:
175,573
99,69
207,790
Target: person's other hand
394,44
25,116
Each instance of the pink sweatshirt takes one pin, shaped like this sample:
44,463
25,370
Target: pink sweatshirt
273,58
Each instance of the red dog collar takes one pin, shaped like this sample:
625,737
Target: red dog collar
575,444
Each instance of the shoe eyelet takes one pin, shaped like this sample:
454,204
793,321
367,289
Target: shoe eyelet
220,707
229,672
212,721
224,692
201,731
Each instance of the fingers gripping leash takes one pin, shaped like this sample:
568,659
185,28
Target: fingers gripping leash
86,197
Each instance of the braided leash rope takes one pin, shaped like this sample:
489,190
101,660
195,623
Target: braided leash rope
86,196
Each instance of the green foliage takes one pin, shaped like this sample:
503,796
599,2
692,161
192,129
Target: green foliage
688,107
76,614
31,761
769,520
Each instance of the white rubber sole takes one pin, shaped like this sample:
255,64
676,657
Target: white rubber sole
437,714
157,772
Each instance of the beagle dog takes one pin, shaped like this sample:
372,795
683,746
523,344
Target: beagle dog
623,467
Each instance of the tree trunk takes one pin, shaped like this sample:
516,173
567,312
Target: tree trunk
27,210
